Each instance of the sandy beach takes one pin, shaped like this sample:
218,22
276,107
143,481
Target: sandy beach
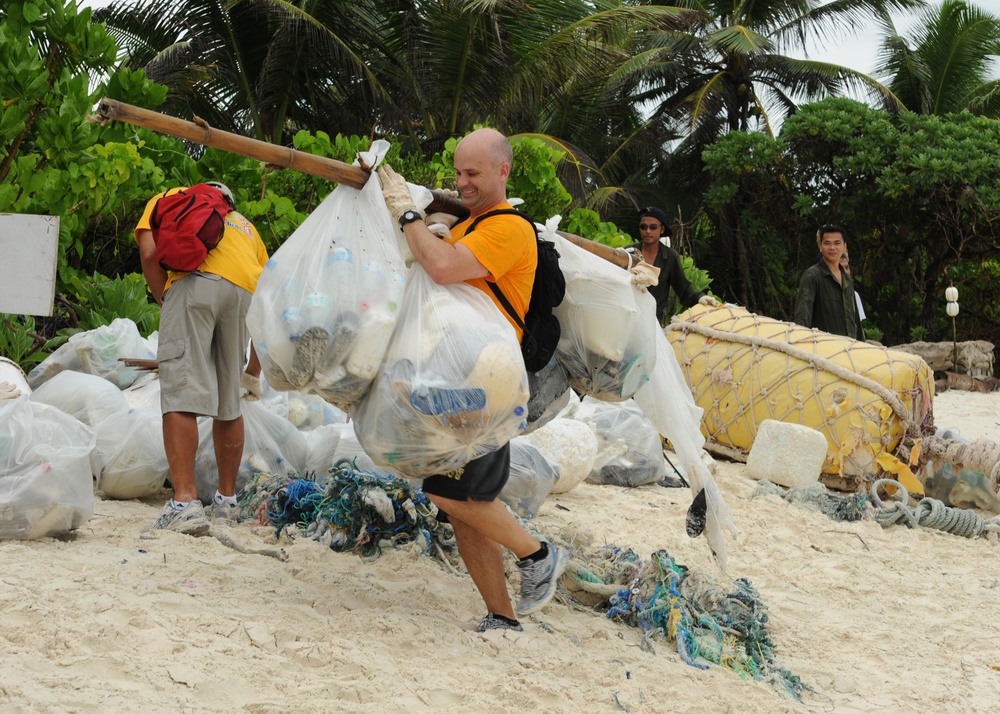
113,620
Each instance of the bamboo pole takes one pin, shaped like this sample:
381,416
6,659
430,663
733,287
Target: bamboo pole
200,132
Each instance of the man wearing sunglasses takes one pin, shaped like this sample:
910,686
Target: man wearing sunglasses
826,291
654,247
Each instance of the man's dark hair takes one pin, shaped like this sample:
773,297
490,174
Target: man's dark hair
830,228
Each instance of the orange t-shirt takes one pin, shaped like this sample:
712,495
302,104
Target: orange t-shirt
506,247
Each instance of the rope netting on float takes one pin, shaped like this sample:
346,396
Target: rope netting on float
744,368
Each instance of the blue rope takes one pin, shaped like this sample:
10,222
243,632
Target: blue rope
293,502
334,509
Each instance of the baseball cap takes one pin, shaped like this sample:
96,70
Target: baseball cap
225,192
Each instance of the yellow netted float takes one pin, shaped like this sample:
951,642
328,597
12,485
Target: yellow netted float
743,368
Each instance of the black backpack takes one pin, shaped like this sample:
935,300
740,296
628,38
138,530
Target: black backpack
541,328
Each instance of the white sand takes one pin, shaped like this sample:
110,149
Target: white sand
891,620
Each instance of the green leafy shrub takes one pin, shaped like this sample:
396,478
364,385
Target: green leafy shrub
588,224
96,301
19,341
698,277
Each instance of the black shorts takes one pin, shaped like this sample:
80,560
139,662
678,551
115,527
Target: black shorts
481,479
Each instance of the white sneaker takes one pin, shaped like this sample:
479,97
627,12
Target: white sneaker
189,520
226,513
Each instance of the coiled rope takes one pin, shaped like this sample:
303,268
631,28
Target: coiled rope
930,513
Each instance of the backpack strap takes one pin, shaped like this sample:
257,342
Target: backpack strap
493,286
506,305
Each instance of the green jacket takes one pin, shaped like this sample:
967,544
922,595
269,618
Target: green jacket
823,304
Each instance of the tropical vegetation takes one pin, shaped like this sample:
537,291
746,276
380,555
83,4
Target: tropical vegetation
612,105
945,64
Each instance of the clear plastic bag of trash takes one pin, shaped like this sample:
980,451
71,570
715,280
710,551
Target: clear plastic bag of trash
46,486
271,445
453,386
87,397
129,460
532,477
630,451
97,352
328,299
607,344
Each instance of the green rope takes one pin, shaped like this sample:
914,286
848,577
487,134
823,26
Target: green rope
707,621
349,509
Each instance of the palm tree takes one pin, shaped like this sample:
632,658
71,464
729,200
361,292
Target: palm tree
725,71
255,67
947,64
421,71
724,67
544,68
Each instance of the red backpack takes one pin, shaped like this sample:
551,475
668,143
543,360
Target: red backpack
188,224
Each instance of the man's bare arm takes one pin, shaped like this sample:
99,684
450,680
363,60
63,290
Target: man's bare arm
446,263
155,274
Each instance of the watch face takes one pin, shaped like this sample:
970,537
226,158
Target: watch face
408,217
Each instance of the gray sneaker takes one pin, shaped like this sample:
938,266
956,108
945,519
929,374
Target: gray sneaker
190,520
224,513
492,622
539,579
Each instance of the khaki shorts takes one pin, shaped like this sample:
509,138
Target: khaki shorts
202,346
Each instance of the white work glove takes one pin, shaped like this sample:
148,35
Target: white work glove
439,229
396,193
709,301
445,219
8,391
253,386
644,275
449,192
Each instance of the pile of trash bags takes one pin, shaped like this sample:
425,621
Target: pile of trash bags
79,434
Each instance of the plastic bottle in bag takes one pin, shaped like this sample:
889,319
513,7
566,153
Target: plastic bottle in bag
372,291
291,318
397,283
317,310
340,270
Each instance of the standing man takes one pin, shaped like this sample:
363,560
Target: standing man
652,228
501,250
826,291
203,341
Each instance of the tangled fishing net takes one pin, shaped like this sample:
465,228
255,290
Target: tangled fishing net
348,509
840,507
707,620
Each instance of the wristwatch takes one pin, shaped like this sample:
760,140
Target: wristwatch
409,217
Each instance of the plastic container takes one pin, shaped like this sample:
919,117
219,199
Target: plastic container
969,489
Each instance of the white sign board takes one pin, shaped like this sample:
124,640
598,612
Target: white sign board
28,248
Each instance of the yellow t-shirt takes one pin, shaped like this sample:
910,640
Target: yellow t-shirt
239,257
506,246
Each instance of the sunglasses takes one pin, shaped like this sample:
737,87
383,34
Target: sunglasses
649,226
